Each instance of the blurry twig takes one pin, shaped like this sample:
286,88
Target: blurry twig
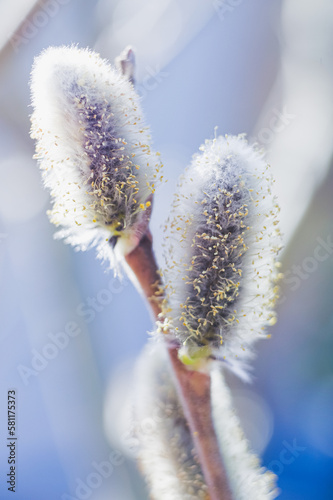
28,7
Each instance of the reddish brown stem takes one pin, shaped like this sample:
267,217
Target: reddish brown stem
193,387
143,264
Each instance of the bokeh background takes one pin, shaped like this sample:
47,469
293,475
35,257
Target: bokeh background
263,67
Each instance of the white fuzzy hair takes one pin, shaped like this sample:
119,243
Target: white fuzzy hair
222,239
93,149
247,479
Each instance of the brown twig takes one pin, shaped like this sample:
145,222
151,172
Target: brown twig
144,267
193,387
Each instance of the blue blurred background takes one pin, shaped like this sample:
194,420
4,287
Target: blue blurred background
263,67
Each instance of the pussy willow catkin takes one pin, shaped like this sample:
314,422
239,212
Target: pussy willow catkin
166,450
222,240
93,148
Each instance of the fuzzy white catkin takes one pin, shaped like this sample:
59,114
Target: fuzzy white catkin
165,447
93,148
166,450
221,244
247,479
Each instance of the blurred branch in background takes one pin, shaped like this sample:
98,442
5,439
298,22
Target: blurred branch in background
15,19
296,124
